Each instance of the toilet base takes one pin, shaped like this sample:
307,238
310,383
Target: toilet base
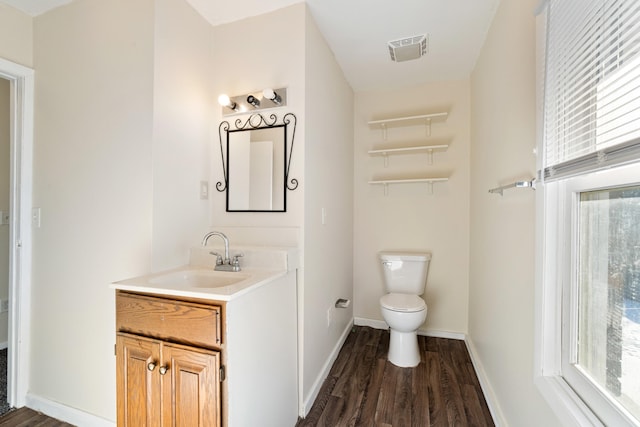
403,349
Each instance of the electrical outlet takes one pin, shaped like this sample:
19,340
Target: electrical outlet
35,217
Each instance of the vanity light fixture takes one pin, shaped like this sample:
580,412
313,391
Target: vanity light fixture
225,101
253,101
272,96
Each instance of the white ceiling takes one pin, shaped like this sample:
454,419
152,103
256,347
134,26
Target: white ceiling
35,7
358,32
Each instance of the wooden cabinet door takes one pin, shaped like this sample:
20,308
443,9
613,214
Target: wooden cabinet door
191,387
137,381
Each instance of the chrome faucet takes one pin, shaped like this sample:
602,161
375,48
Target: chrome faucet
223,264
226,243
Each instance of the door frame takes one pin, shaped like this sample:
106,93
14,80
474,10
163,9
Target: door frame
21,126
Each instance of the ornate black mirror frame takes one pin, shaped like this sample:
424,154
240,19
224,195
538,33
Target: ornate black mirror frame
257,122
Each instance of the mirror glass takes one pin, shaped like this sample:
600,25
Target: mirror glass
256,168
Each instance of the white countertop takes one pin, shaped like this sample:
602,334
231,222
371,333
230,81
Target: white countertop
160,283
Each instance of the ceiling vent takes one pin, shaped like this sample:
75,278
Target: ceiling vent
408,49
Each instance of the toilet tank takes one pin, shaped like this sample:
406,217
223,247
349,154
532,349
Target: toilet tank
405,272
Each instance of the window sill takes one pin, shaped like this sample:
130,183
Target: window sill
565,403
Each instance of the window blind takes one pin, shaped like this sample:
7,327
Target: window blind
592,86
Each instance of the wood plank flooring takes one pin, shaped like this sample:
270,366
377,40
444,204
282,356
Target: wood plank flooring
364,389
25,417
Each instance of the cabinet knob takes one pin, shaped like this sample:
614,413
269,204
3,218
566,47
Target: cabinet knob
163,370
151,366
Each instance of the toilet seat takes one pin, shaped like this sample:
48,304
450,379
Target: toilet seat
405,303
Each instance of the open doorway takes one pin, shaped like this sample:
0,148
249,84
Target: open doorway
17,220
5,176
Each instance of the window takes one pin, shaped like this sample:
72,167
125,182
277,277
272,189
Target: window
589,210
608,293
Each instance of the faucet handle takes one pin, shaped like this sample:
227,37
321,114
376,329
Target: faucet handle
236,261
218,257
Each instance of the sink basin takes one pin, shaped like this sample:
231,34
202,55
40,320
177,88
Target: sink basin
199,279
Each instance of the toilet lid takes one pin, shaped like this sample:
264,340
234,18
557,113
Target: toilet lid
402,302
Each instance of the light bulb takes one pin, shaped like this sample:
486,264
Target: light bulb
269,93
272,96
225,101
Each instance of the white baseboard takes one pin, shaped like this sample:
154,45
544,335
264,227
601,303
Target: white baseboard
487,390
376,324
66,413
381,324
317,385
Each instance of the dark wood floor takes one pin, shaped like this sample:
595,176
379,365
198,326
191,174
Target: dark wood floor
364,389
25,417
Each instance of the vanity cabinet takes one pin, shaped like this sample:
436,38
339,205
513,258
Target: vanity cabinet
168,355
231,351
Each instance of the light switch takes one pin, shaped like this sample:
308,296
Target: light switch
204,190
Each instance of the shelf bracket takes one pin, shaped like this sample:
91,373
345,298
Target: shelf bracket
430,156
428,127
430,187
386,189
384,131
386,159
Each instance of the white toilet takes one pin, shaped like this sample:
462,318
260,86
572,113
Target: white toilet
405,277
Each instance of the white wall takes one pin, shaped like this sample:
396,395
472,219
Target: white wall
501,290
93,182
328,184
16,36
116,127
250,55
182,130
409,218
285,49
122,142
5,145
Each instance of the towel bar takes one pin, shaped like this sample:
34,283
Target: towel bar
518,184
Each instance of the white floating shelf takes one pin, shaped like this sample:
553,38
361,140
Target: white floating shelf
385,152
408,120
428,181
407,181
425,119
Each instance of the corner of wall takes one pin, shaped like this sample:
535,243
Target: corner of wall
490,396
16,36
502,267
